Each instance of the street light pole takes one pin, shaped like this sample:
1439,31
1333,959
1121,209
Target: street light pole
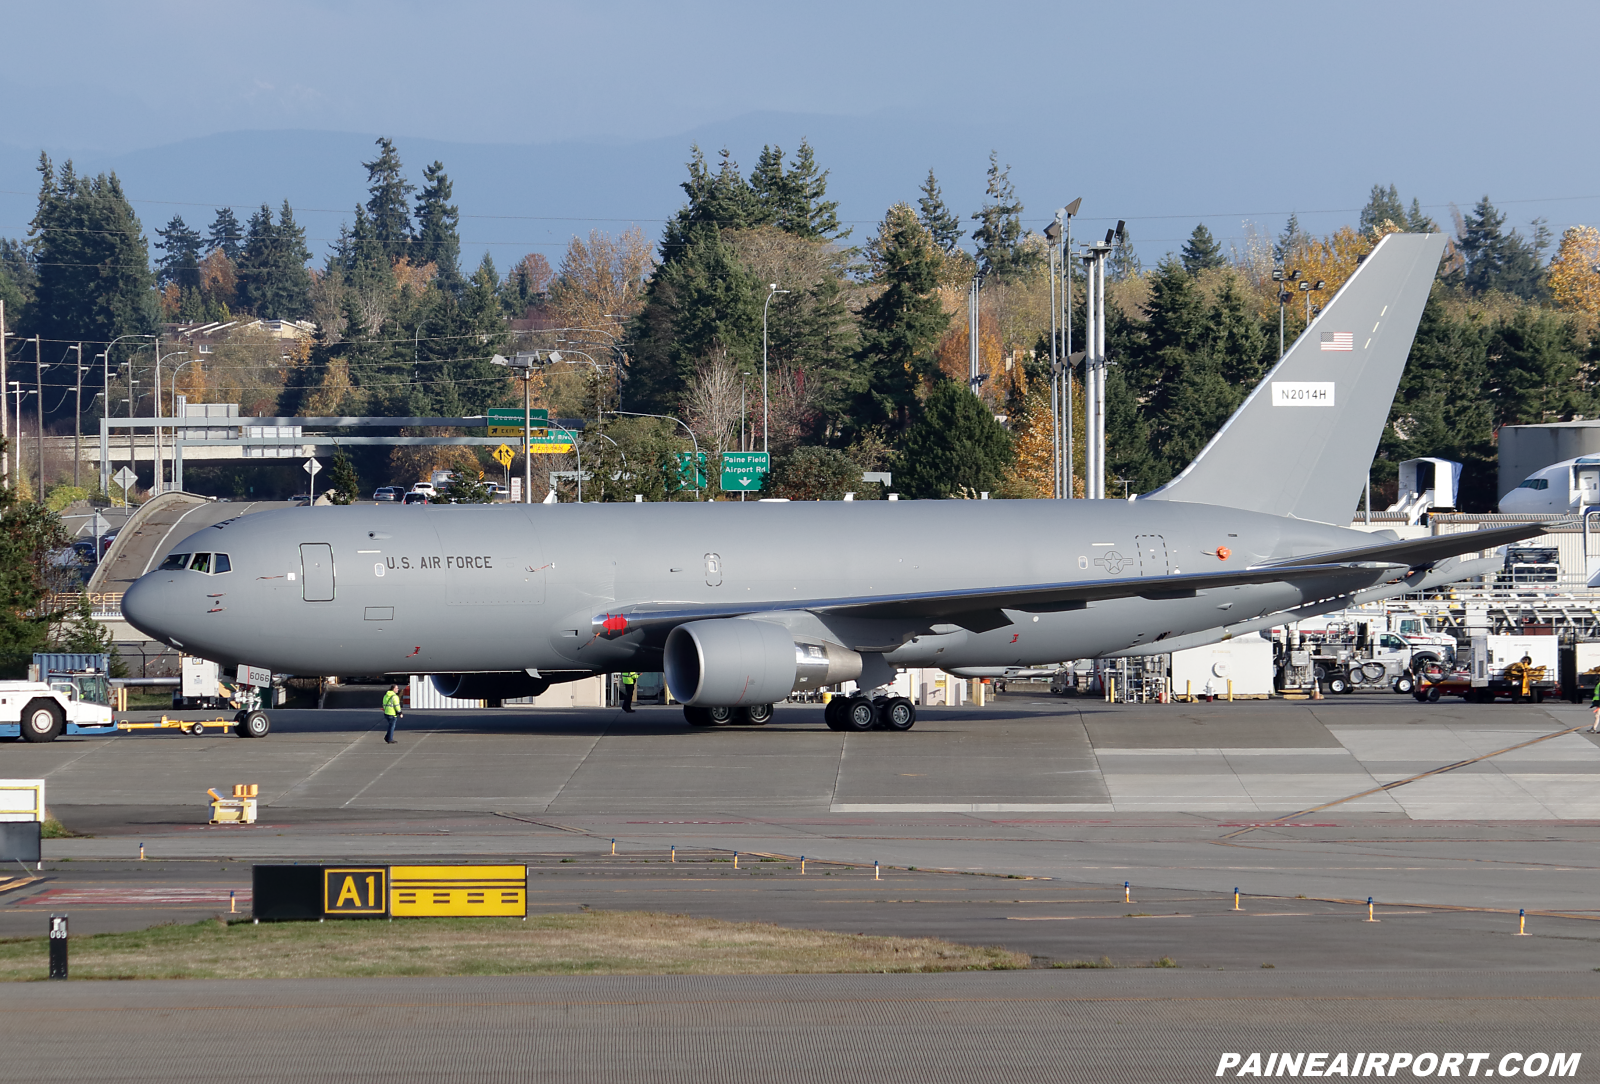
38,378
772,291
105,468
5,461
692,438
77,421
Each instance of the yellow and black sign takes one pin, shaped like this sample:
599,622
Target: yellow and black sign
458,890
362,891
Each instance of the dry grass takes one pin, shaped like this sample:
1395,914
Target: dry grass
589,943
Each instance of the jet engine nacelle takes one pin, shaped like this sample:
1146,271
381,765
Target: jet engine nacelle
738,661
494,686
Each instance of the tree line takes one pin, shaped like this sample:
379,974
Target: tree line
861,342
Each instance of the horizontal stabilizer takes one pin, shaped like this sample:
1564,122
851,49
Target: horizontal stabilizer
1424,551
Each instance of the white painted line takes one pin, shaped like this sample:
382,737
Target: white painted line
970,807
1252,751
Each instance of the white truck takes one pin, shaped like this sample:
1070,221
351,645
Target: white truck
40,711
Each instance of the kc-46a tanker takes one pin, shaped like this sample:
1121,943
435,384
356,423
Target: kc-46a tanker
742,603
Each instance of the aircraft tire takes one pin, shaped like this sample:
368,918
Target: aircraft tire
42,721
254,724
899,714
833,713
697,716
721,716
754,715
860,714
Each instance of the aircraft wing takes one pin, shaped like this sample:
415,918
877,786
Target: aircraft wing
1415,552
980,609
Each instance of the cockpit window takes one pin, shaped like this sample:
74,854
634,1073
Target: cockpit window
1535,483
174,562
220,564
201,563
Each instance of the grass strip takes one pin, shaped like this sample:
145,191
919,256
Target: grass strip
587,943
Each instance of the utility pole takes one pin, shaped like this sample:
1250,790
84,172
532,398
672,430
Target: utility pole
77,421
1091,444
772,292
527,435
5,430
1052,233
38,380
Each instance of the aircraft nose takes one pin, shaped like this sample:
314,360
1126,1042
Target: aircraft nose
146,606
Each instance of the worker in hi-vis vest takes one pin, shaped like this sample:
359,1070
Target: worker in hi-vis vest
630,682
391,710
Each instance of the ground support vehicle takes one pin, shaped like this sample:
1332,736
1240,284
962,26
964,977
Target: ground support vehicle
1491,668
64,702
1580,669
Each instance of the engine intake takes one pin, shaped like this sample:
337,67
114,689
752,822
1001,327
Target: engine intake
738,661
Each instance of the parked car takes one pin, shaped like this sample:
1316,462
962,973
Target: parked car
388,493
417,498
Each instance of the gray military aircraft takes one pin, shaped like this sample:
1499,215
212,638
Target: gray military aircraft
742,603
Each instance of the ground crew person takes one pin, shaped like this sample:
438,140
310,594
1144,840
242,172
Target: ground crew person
1595,704
630,682
391,711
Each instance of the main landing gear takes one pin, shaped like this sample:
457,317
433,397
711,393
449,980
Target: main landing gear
867,713
751,715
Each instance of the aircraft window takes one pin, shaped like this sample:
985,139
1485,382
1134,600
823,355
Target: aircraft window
201,563
220,564
1535,483
174,562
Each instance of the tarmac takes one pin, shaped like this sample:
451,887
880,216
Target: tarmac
1015,824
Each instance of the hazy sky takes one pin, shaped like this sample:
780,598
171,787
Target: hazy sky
1160,113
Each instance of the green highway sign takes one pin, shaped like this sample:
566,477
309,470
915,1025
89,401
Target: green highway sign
687,481
509,421
742,472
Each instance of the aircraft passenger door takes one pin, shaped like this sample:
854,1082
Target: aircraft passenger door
1152,549
1588,486
316,571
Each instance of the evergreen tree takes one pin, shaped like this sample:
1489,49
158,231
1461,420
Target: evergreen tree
388,202
1124,262
29,532
342,484
1417,222
181,262
1201,252
1535,365
956,445
722,200
273,281
806,212
18,281
1383,206
1290,241
1434,418
810,473
92,262
769,186
1495,259
438,221
999,235
936,218
901,327
226,234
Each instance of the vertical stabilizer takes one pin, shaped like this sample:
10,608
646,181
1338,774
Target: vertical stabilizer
1300,445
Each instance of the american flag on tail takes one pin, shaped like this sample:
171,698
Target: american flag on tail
1338,340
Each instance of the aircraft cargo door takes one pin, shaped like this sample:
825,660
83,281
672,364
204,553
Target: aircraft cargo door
316,571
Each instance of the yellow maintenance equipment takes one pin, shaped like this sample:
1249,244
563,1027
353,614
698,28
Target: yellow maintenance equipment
240,809
458,890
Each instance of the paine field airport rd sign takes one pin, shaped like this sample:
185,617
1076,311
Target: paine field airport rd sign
742,471
508,421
